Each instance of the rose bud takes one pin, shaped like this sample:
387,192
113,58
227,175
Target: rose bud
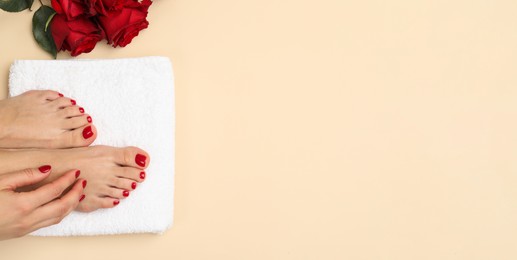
122,26
102,7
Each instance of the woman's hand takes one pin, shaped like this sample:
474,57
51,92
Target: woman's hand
24,212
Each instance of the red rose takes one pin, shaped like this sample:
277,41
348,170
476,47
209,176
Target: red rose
104,6
77,36
122,26
70,8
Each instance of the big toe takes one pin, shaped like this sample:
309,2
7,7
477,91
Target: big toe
133,156
79,137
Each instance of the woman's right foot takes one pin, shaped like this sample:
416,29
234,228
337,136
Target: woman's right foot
44,119
112,173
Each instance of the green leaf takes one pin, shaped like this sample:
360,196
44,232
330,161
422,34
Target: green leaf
43,36
15,5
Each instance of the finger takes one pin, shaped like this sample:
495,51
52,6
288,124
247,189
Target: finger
50,191
12,181
53,212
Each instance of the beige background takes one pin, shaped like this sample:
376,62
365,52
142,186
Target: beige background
325,130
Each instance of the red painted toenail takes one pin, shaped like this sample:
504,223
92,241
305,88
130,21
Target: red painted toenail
77,173
84,183
125,193
89,119
87,132
44,168
140,159
133,185
116,202
73,102
142,175
82,198
61,95
81,110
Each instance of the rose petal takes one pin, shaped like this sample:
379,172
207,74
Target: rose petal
59,29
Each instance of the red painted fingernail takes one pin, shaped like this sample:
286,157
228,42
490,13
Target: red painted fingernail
77,173
133,185
116,202
142,175
84,183
89,119
73,102
140,159
87,132
81,110
61,95
44,168
82,198
125,193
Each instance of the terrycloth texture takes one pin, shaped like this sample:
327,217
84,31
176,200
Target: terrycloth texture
131,102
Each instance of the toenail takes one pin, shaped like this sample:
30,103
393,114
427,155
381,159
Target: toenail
133,185
81,110
82,198
89,119
84,183
87,132
61,95
73,102
44,168
125,193
77,173
142,175
140,159
116,202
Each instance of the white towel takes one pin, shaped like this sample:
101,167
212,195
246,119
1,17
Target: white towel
132,103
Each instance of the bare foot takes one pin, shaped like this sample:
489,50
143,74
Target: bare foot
112,173
44,119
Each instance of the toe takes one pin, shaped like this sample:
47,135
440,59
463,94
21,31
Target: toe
92,203
71,111
79,137
133,156
108,202
131,173
116,193
76,122
62,102
123,183
48,95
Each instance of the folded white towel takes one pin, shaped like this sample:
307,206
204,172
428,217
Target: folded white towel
132,104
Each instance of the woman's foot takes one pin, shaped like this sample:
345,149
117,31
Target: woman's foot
112,173
44,119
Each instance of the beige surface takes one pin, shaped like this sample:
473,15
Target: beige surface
325,130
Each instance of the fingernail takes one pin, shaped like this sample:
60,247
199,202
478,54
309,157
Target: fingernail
125,193
116,202
81,110
61,95
44,168
84,183
87,132
133,185
89,119
73,102
77,173
140,159
142,175
82,198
